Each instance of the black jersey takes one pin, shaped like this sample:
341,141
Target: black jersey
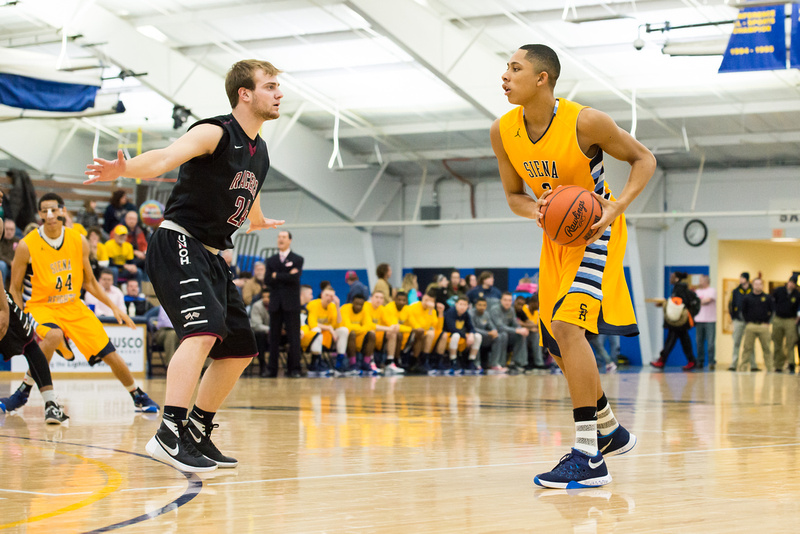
214,193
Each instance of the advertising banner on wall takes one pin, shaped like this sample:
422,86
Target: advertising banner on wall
130,345
758,41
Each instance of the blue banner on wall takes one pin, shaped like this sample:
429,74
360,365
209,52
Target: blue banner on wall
32,93
795,55
758,41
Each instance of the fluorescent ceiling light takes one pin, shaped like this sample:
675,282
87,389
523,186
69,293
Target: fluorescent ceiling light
598,18
153,33
784,240
705,47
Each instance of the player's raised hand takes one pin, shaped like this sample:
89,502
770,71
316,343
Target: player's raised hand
105,170
122,317
264,224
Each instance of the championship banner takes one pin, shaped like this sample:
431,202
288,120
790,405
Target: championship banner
130,345
758,41
795,54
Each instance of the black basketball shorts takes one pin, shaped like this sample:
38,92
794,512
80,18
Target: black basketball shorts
19,333
196,289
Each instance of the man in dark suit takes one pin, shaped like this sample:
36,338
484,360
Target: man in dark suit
283,277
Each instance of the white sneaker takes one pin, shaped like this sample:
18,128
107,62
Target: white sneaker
496,370
611,367
392,369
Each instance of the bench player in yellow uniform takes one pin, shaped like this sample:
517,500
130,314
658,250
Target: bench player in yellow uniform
545,142
423,321
57,259
388,330
357,318
322,329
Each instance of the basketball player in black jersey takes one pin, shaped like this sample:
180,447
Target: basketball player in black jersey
223,163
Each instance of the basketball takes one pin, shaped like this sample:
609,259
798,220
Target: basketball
569,214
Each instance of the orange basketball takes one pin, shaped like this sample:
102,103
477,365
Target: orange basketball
569,214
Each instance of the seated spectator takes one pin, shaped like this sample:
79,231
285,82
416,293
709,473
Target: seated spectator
135,301
98,257
456,288
460,335
7,247
253,287
120,254
30,227
411,288
165,335
306,295
118,206
87,216
472,282
361,338
439,289
505,319
485,290
530,320
137,237
324,285
259,321
490,337
114,293
356,287
397,312
238,281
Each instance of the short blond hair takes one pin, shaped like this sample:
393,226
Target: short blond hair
241,74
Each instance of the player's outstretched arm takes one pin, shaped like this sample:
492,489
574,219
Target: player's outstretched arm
257,219
91,285
18,269
520,202
597,128
199,141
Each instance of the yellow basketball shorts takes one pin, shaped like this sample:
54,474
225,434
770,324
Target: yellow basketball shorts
585,286
78,323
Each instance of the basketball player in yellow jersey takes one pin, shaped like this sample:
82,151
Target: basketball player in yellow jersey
59,261
546,142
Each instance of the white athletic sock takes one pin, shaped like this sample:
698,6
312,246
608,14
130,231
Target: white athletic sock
132,387
586,437
606,422
49,396
28,380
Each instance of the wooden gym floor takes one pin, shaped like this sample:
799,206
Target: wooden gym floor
717,452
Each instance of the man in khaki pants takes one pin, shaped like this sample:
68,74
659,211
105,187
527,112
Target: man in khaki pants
784,323
757,309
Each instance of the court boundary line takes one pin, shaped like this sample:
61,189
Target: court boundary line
193,488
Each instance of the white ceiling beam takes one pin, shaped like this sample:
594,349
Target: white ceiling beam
303,155
448,52
239,10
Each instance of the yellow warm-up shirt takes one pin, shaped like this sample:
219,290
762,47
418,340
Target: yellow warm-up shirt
318,315
419,317
357,322
392,316
118,255
57,275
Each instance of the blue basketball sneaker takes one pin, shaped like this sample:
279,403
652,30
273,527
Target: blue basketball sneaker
576,470
17,400
143,403
618,442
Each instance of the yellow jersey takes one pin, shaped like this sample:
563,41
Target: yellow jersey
56,274
318,315
357,322
556,158
419,317
118,255
392,316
